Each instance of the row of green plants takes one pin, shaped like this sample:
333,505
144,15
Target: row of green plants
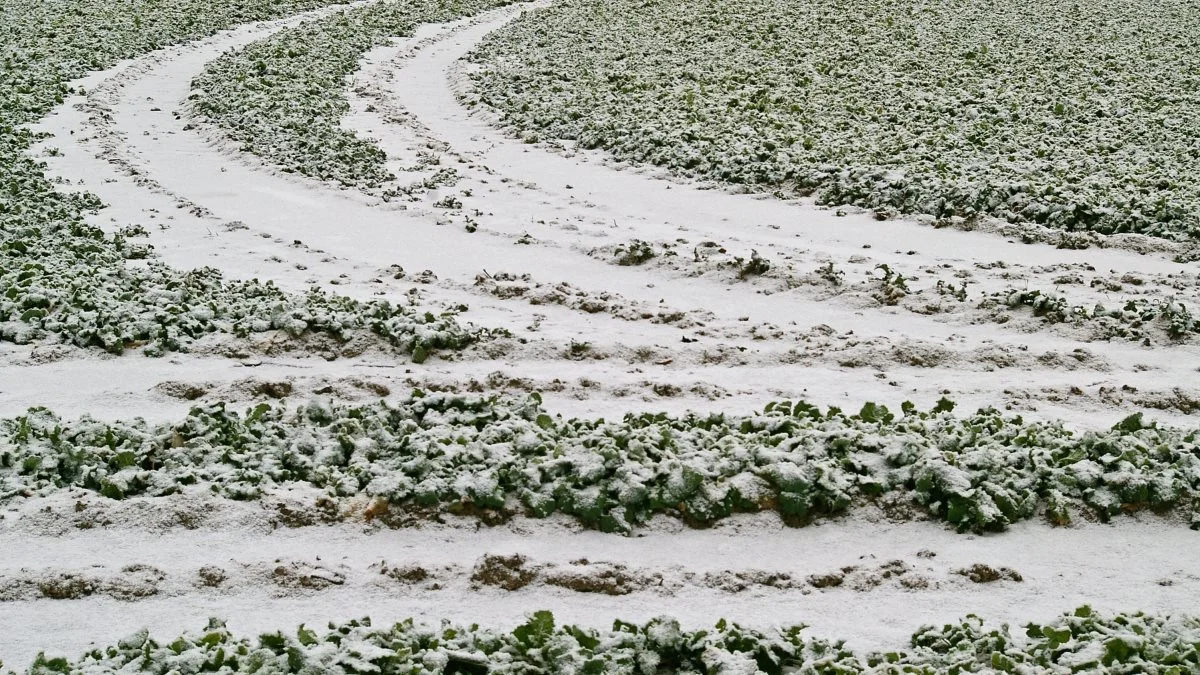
1078,642
1025,110
62,280
91,299
501,456
1133,319
283,98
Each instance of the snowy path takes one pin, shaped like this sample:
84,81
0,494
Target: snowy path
902,576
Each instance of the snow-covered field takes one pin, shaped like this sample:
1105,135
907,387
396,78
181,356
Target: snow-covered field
490,377
1080,117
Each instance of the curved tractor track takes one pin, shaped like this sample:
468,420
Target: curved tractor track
531,243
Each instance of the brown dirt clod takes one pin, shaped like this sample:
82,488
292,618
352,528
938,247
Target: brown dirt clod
507,572
826,580
985,574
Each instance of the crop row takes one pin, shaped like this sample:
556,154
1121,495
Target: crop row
64,280
1081,118
1132,319
283,98
499,456
1078,642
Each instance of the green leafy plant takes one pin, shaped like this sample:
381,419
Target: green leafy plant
958,292
892,287
978,472
754,267
1005,114
307,66
636,252
1132,319
831,274
1082,641
62,280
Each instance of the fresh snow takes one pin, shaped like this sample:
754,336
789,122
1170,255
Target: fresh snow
1061,570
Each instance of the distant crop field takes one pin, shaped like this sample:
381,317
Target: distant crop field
1072,115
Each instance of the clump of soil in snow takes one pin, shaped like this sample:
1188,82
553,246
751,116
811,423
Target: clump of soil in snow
409,574
295,511
860,578
736,581
606,578
986,574
135,581
186,391
67,586
507,572
505,285
826,580
132,582
297,575
211,576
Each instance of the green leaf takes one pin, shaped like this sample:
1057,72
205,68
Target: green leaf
944,405
217,660
420,354
959,510
1116,650
110,490
43,665
1130,424
536,631
872,412
295,659
1056,636
256,414
585,639
306,636
273,641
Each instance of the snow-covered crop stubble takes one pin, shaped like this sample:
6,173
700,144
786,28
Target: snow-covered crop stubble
1077,116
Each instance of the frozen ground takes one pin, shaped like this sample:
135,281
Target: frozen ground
861,578
531,247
